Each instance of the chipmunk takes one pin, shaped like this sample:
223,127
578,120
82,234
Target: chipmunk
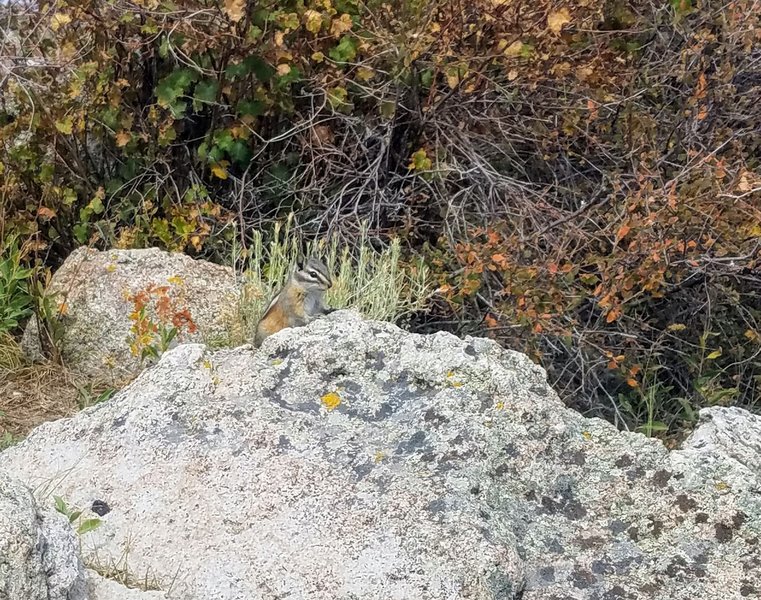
299,302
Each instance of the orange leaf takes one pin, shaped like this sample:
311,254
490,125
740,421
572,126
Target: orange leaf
622,231
612,315
632,382
123,138
45,213
552,268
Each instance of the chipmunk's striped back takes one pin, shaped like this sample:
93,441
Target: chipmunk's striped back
300,301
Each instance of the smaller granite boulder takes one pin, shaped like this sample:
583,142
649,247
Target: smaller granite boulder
98,293
39,557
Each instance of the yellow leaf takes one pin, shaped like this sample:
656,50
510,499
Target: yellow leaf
365,74
220,169
558,18
123,138
65,126
331,400
714,355
751,335
235,9
58,20
313,21
318,57
513,49
677,327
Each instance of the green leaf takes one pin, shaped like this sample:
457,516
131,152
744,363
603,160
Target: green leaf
74,516
88,525
224,139
251,64
337,96
253,108
240,152
206,91
345,51
714,355
60,505
80,232
174,85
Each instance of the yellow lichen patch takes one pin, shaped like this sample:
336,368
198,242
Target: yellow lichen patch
176,280
721,486
111,267
207,364
586,435
331,400
450,373
379,456
499,405
276,362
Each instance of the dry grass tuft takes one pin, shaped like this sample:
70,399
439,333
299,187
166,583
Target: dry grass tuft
31,394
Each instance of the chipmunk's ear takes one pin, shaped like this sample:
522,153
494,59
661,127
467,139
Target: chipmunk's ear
300,263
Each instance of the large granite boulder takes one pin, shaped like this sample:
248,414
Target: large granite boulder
38,550
94,288
350,459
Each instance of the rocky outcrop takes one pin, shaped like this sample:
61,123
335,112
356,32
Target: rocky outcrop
38,551
350,459
93,288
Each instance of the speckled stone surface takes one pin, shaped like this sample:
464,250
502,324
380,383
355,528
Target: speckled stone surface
350,459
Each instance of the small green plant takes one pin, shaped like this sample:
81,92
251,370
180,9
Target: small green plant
7,439
49,311
75,517
15,300
88,395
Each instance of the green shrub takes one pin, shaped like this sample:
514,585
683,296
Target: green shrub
15,299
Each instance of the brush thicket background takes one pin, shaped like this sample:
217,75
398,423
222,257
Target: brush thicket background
579,180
